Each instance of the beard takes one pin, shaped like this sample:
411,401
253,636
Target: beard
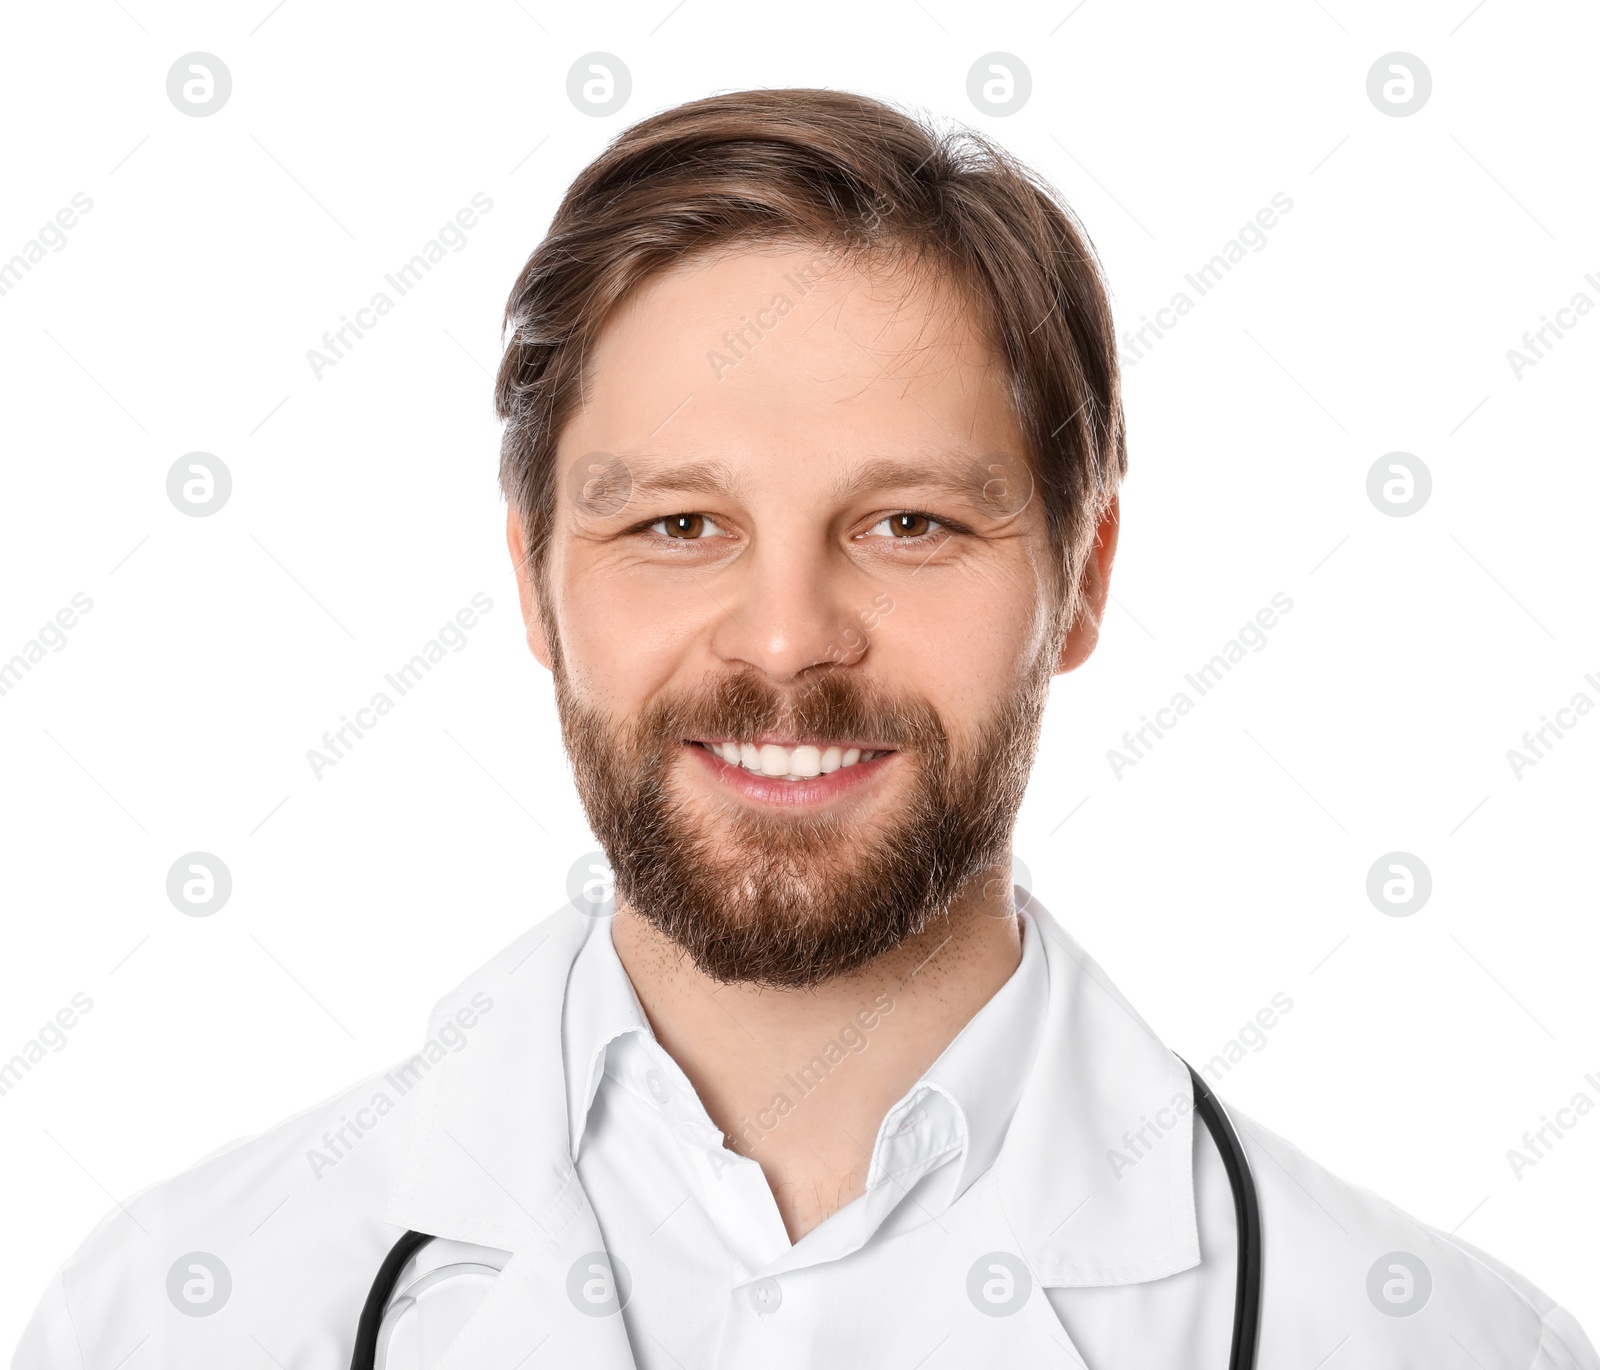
791,899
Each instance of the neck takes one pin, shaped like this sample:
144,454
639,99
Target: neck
800,1080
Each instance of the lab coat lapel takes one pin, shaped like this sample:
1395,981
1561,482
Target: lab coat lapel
537,1305
1092,1201
976,1302
489,1162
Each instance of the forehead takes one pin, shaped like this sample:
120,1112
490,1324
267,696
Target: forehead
791,366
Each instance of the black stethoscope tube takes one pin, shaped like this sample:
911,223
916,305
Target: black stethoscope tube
366,1352
1247,1212
1246,1207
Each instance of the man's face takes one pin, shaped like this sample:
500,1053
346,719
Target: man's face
801,609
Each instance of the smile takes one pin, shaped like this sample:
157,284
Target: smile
799,761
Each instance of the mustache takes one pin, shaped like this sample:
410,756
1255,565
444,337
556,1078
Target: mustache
833,705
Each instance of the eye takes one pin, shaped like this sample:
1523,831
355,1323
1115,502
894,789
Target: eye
906,524
686,527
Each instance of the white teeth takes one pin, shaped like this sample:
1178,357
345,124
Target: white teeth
804,762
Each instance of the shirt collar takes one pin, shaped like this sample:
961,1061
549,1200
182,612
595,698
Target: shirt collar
490,1159
973,1088
600,1006
958,1110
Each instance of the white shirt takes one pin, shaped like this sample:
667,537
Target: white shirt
716,1280
1050,1251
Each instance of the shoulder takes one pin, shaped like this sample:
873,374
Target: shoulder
270,1244
273,1238
1346,1268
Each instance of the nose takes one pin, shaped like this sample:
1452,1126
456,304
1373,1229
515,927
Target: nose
788,608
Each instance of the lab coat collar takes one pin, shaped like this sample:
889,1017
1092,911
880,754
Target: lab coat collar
488,1162
488,1159
1094,1177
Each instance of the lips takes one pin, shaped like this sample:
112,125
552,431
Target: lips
794,761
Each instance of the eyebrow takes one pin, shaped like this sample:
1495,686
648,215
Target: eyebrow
691,477
890,473
717,477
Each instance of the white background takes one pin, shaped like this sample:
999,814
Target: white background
1227,866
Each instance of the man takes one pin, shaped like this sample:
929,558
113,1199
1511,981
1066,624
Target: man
813,439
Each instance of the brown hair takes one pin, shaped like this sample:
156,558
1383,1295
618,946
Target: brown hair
843,172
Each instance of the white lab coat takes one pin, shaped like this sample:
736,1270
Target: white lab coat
1129,1266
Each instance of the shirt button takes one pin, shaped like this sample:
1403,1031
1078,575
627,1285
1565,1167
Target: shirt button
656,1083
765,1296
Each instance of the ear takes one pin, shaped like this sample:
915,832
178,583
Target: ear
1085,633
527,589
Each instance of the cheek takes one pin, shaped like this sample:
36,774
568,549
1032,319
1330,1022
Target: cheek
601,639
621,638
963,644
